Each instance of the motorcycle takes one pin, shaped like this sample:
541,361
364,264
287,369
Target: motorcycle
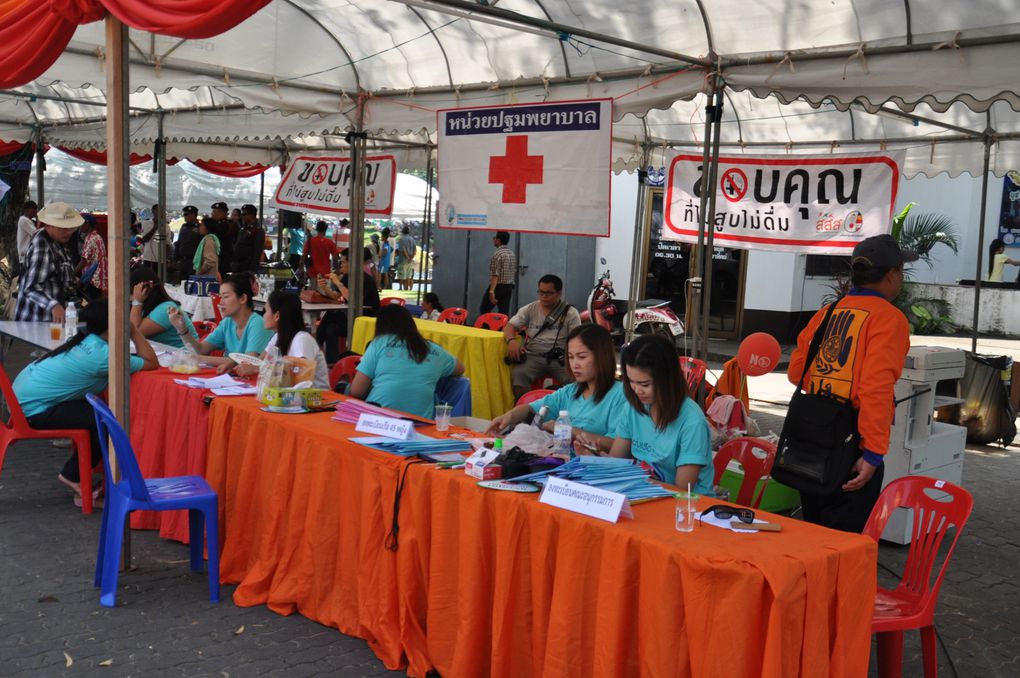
652,316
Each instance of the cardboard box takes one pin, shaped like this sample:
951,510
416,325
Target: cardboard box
480,465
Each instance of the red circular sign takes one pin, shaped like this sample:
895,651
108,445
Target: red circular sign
734,184
320,174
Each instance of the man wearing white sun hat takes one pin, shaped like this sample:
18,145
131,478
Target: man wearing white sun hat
47,280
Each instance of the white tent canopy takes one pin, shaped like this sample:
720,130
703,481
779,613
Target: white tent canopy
299,73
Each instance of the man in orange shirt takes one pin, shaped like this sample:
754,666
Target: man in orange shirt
319,254
860,358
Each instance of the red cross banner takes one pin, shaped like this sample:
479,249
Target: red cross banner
821,204
541,168
323,185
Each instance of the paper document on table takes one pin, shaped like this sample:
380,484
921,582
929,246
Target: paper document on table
235,391
724,523
222,381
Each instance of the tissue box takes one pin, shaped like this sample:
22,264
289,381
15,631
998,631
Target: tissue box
201,285
480,465
310,397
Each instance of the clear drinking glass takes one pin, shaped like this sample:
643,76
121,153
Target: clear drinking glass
443,417
686,507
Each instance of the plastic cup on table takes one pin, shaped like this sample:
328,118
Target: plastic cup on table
56,331
443,417
686,507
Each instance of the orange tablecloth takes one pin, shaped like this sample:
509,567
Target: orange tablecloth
493,583
169,433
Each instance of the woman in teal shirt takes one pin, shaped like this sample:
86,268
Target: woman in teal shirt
400,368
593,400
662,427
51,391
150,309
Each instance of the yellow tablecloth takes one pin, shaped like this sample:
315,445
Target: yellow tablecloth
481,351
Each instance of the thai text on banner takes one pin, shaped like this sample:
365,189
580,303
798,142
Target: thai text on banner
323,184
532,167
811,204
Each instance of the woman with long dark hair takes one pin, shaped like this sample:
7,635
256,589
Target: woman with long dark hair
51,391
283,314
997,260
663,426
430,306
593,400
150,309
400,368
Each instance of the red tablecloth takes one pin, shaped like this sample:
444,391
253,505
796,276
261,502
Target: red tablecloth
169,433
494,583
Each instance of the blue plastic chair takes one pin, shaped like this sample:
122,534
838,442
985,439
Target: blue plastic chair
134,493
455,391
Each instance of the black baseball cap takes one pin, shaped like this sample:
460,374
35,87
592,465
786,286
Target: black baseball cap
190,209
881,251
249,209
219,206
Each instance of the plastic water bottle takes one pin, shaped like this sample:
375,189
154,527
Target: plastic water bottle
540,416
70,321
562,434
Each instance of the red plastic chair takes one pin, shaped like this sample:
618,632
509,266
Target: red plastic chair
492,321
755,468
392,300
532,396
345,367
694,372
204,328
217,315
18,429
911,605
454,316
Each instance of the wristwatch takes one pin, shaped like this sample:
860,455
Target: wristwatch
135,302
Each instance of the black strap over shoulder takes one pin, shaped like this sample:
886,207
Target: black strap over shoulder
816,343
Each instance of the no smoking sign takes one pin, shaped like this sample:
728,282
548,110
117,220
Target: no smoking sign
733,184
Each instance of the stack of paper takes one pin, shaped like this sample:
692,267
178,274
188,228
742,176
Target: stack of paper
222,381
608,473
421,444
350,409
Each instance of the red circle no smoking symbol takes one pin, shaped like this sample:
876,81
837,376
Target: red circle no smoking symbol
734,184
320,174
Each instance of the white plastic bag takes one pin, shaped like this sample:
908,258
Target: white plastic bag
529,439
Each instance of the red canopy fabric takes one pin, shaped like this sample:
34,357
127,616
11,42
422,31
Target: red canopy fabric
8,147
33,33
234,170
99,157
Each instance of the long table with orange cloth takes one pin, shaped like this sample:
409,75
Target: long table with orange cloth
169,434
481,351
494,583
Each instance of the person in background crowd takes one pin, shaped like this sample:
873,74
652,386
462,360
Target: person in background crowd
226,230
208,252
47,280
319,254
594,400
250,243
407,248
997,260
385,260
367,265
333,324
872,338
240,331
400,368
237,218
547,323
136,236
188,239
283,314
502,269
154,239
150,309
663,427
373,247
296,246
26,228
92,268
52,389
431,308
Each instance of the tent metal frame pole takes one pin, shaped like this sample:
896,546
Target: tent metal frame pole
694,309
712,189
637,258
981,237
427,223
356,246
160,216
40,168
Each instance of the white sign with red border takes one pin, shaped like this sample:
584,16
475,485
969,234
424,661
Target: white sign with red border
810,204
323,184
537,167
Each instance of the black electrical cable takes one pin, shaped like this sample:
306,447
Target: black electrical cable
392,541
938,635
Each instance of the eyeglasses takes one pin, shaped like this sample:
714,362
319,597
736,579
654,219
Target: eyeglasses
723,512
547,293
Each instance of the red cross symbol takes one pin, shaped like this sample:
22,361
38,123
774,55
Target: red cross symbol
516,169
